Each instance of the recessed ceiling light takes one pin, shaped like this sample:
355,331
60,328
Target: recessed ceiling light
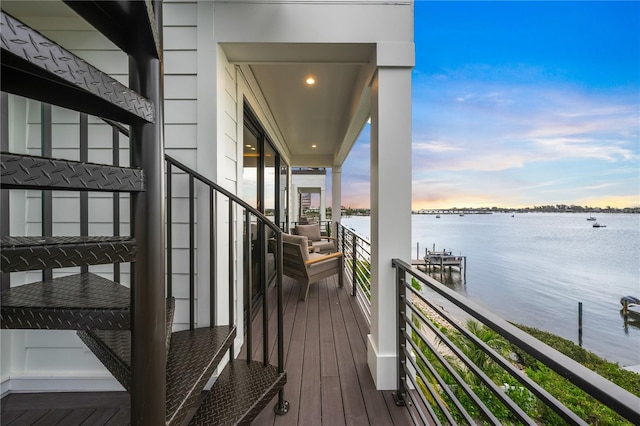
310,81
314,146
253,149
248,145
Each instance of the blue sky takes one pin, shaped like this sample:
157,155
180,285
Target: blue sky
519,104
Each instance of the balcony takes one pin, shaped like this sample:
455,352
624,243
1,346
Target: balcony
328,379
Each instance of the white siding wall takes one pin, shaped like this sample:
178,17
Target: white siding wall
181,138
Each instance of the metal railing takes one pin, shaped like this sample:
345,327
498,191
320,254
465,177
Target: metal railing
238,210
357,262
253,242
452,373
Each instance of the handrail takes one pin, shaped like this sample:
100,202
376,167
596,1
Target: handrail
609,394
122,129
223,191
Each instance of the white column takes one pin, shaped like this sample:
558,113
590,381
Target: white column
390,212
336,195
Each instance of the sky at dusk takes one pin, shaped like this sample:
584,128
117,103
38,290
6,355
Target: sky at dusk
519,104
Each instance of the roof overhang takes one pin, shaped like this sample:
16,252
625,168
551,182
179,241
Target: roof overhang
316,124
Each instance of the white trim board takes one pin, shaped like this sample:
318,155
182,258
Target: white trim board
33,384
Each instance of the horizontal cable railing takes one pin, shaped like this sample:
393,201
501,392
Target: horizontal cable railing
357,262
454,373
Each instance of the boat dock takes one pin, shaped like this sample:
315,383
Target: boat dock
442,260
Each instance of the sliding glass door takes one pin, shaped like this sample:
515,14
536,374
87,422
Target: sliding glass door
263,188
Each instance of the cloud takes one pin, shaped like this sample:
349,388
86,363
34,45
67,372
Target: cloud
481,139
498,125
435,146
606,150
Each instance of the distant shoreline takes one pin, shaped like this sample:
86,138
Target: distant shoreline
628,210
476,212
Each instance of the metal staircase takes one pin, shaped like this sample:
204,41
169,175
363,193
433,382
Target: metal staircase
165,372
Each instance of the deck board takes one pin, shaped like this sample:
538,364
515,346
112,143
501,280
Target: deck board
354,406
325,347
310,398
52,417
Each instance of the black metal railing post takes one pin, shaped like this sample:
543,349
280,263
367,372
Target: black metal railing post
115,147
213,255
84,195
5,278
282,406
169,237
399,394
47,197
354,263
192,253
265,295
248,283
232,278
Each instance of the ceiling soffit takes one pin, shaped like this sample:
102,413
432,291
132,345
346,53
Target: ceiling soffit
307,115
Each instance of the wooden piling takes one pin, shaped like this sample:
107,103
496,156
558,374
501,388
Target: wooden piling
580,323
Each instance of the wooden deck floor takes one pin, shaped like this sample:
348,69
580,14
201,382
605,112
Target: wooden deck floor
328,380
326,361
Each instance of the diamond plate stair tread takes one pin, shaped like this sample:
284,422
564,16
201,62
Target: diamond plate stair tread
239,394
75,302
192,359
29,253
113,348
59,77
33,172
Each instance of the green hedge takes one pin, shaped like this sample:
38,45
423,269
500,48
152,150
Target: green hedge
586,407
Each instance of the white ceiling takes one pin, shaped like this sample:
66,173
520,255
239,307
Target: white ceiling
329,114
308,115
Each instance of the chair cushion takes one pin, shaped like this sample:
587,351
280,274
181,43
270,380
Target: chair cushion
310,231
301,240
325,246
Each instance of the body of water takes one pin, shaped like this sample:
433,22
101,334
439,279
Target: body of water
534,269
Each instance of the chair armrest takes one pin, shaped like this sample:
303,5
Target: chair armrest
323,258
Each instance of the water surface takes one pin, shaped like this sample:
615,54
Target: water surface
534,269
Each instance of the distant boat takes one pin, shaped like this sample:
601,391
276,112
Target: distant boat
630,300
437,216
597,225
632,305
461,215
591,217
